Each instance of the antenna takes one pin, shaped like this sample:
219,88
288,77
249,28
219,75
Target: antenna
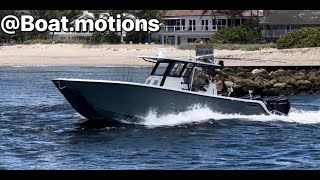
250,93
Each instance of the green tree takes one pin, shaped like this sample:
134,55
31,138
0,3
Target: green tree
301,38
147,15
17,13
236,34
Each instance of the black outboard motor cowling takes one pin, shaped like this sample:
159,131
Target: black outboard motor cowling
277,104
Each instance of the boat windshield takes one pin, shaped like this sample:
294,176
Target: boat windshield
161,69
173,69
176,70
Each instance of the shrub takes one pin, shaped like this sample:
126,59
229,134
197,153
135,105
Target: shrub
105,37
305,37
237,34
140,37
135,37
198,40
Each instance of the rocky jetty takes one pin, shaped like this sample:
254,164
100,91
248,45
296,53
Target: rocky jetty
274,83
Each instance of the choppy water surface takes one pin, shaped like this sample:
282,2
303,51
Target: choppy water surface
40,130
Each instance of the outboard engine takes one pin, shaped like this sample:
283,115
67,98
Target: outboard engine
277,104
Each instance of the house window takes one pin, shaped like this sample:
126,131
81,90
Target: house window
222,23
172,24
192,25
183,24
296,27
191,40
205,24
278,27
238,22
229,21
178,25
214,24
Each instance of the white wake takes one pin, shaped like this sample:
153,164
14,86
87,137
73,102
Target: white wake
198,114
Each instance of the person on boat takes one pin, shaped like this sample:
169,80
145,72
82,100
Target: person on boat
219,84
199,81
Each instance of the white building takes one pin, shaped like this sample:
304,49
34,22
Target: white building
76,35
185,26
277,23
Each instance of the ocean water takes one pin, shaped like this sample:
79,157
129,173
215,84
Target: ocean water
40,130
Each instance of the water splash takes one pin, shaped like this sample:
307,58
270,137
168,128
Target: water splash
198,114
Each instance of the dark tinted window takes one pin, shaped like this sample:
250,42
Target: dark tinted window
161,69
176,69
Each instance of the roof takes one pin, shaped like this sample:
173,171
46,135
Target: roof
291,17
154,59
85,15
175,13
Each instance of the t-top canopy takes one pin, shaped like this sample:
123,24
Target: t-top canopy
155,59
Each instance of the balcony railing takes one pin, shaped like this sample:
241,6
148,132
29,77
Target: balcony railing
204,28
273,33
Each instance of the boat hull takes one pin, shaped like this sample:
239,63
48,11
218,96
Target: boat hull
114,100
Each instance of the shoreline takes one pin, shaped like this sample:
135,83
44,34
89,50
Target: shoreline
127,55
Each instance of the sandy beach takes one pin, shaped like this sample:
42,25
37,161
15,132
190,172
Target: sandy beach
77,54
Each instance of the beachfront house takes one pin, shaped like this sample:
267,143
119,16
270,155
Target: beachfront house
276,23
76,35
186,26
